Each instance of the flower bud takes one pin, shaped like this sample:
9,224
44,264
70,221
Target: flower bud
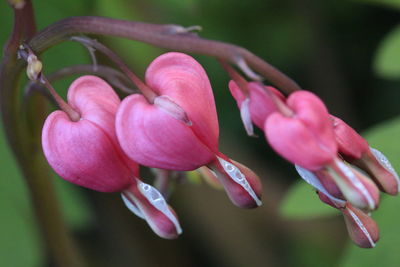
356,187
241,184
148,203
86,152
257,105
362,229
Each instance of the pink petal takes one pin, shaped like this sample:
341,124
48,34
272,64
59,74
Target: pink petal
351,144
261,104
83,153
96,101
294,141
182,78
154,138
311,111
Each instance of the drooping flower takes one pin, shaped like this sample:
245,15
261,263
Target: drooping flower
355,149
306,137
87,153
179,131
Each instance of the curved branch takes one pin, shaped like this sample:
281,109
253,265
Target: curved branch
171,37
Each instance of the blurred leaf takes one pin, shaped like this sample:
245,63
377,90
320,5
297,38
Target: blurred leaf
18,230
384,137
74,206
301,202
136,54
19,244
388,3
387,58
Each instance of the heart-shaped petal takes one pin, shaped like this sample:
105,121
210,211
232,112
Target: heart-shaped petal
294,141
311,111
154,138
95,101
84,154
184,80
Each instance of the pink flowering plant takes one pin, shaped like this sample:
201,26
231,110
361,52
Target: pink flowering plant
104,133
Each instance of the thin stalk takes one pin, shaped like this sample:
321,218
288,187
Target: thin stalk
149,94
171,37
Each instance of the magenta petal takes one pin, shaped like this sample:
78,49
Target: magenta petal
311,111
183,79
154,138
261,104
95,101
295,142
351,144
83,153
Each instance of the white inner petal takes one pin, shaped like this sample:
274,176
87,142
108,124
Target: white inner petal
246,116
239,178
157,200
131,206
313,180
386,163
356,182
362,227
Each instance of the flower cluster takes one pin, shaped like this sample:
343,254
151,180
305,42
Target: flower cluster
177,130
327,153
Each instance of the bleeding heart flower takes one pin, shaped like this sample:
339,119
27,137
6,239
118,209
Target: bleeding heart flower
180,132
355,149
306,137
87,153
256,104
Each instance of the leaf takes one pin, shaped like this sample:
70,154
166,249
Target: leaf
18,232
385,137
387,58
301,202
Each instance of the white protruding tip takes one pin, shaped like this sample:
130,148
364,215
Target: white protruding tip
386,163
157,200
313,180
246,116
239,178
362,227
132,207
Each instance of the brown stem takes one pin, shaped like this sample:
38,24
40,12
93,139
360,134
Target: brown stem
114,77
72,114
166,36
236,77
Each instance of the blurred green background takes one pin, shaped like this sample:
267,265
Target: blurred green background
348,52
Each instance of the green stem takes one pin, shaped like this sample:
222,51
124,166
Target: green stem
24,138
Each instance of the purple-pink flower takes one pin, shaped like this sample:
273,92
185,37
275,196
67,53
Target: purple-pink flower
87,153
